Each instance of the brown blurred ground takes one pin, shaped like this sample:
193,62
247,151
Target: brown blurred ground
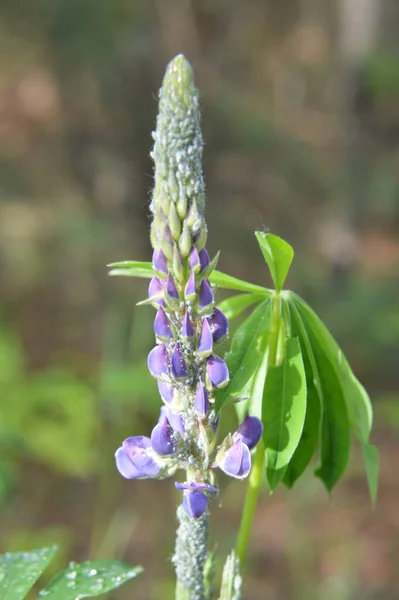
301,121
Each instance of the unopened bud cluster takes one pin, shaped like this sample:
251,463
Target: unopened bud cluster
187,324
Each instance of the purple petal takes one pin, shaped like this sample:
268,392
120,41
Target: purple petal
162,438
178,364
158,361
206,298
195,504
175,420
136,450
190,291
217,372
171,289
156,288
187,330
237,460
201,402
125,466
166,390
205,343
204,259
193,485
250,431
194,260
161,325
159,261
219,325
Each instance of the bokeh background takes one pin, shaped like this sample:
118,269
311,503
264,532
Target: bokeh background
300,103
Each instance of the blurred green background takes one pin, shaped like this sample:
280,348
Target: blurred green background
300,103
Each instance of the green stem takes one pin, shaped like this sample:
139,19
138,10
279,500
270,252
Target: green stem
256,475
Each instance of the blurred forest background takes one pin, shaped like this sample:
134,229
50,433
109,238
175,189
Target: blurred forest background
300,103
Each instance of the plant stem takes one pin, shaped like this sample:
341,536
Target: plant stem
191,553
256,475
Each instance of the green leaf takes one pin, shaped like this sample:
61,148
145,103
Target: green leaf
371,462
311,429
89,579
283,411
356,398
232,307
228,282
335,429
245,355
20,570
278,254
132,268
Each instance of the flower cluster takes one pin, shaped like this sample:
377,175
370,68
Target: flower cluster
187,324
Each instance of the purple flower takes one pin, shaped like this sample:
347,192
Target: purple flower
187,330
205,343
219,325
193,485
161,325
156,291
178,364
217,372
174,419
250,431
158,362
162,438
166,391
206,298
133,461
190,291
159,262
201,402
195,504
236,461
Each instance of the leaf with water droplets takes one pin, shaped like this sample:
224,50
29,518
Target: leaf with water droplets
89,579
20,570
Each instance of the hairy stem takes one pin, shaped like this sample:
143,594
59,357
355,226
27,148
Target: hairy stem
191,553
255,478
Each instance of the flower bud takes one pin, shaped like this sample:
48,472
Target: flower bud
166,391
161,326
156,292
178,364
187,330
159,262
194,260
190,290
219,325
206,298
204,259
250,431
205,342
217,373
158,362
162,438
201,402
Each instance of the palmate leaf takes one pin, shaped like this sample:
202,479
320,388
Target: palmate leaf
283,411
245,354
344,401
278,254
234,306
134,268
311,429
20,570
89,579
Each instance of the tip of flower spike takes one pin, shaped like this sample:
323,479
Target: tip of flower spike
179,75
